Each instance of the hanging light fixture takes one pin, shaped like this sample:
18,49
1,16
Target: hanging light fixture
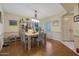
78,8
35,17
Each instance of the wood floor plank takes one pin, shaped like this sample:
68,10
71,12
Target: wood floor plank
53,48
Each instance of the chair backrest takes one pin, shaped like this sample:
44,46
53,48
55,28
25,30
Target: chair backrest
23,35
41,36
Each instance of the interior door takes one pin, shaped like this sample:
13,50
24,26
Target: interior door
1,31
67,29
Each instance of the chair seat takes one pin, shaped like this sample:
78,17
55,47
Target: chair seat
39,39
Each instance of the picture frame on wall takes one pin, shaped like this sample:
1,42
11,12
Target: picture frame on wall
76,18
12,22
55,23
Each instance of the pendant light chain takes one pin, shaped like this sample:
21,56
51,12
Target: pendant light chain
35,14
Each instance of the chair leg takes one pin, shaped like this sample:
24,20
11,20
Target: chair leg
15,38
43,43
25,46
38,44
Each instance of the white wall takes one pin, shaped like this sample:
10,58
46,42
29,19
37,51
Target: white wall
12,30
1,29
9,28
56,30
10,16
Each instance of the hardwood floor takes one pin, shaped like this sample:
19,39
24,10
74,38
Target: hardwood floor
53,48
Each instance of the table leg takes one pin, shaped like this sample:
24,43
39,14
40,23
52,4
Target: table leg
29,42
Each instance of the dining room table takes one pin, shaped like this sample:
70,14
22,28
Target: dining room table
29,35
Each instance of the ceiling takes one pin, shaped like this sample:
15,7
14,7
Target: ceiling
43,9
69,7
27,9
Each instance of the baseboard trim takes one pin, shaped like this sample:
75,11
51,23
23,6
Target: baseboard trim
68,40
68,47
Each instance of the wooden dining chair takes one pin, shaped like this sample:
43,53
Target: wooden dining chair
24,39
41,38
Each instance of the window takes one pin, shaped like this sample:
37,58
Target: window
48,27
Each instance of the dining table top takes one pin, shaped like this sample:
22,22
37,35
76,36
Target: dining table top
31,33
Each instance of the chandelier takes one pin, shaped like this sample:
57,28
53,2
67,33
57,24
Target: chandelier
35,17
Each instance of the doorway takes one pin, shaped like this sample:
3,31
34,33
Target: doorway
67,27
